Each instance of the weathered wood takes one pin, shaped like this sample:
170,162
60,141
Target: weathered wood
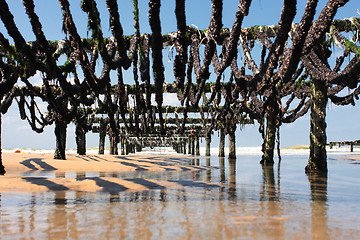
80,140
197,145
192,144
222,143
232,145
60,134
122,145
102,136
270,134
317,162
208,147
113,145
2,168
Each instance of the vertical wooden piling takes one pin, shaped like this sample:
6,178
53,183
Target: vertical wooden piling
189,144
197,145
122,145
113,145
222,143
80,140
192,145
127,147
102,135
60,133
2,168
208,142
138,147
317,162
232,145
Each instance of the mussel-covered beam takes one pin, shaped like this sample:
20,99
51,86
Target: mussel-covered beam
171,130
169,39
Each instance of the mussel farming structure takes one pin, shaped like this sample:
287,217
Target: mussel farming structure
223,77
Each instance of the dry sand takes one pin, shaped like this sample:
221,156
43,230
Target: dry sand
22,169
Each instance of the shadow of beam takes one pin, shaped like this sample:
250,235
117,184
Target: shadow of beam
146,183
28,163
45,182
106,186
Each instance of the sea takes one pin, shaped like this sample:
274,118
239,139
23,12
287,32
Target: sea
234,199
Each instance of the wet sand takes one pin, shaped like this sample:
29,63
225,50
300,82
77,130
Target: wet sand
20,165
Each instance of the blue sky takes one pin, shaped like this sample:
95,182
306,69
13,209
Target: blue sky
342,122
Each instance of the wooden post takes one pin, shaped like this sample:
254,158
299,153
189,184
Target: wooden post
127,147
268,145
232,146
80,140
192,145
317,162
60,133
102,135
197,145
180,147
113,145
122,145
2,168
208,141
351,147
138,147
189,144
222,143
184,146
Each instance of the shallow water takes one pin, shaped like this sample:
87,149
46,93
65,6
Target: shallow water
233,201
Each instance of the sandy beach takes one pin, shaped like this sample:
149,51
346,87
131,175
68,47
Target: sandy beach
20,165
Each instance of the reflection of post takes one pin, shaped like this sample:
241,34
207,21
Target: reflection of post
270,205
269,190
57,217
318,187
232,178
80,175
60,174
222,169
208,172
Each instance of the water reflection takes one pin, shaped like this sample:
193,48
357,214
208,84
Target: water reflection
222,169
232,179
318,189
238,199
269,190
208,172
